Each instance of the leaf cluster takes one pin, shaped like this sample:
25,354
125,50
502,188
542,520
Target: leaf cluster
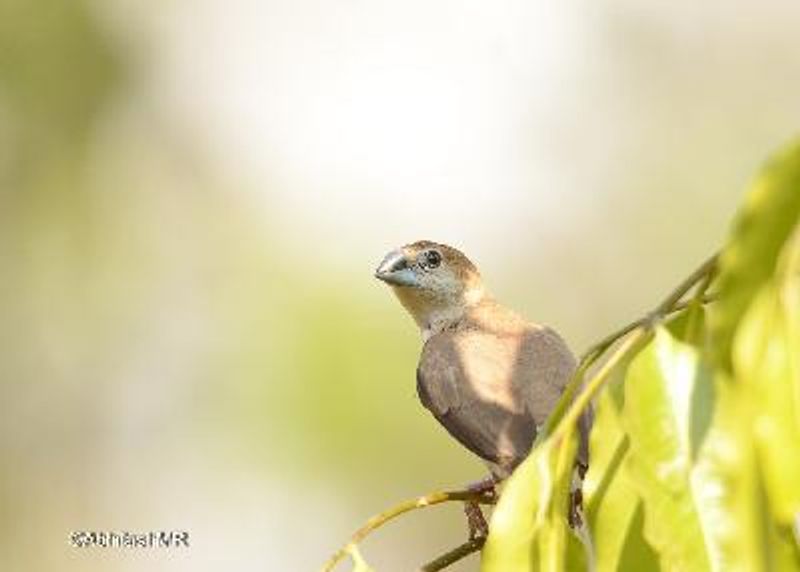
695,450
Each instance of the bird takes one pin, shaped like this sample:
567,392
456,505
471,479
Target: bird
488,376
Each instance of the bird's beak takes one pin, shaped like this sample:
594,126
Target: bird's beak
395,270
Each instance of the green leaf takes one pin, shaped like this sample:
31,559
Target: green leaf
689,325
730,493
529,529
693,462
520,513
770,212
657,415
767,361
613,508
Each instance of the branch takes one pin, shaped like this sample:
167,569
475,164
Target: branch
671,304
453,556
401,508
640,330
635,341
597,349
705,272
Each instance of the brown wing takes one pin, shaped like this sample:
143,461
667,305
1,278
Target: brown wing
491,391
546,359
461,379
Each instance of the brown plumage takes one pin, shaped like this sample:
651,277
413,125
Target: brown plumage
488,376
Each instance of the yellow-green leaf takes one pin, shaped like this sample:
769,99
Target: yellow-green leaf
770,212
613,508
730,493
767,361
657,416
529,529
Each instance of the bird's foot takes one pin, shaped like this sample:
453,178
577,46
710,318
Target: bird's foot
476,522
478,528
485,487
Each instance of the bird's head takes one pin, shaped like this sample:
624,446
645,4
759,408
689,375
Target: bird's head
436,283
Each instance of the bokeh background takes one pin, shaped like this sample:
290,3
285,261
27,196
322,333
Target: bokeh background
194,195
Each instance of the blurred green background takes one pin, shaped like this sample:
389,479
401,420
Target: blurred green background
193,196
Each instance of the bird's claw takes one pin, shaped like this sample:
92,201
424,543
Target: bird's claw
478,528
484,487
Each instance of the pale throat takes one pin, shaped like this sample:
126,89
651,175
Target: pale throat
434,315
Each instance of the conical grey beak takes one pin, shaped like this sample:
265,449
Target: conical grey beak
395,270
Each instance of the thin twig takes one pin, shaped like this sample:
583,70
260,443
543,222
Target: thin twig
591,355
448,558
640,330
420,502
636,340
702,271
600,347
668,306
702,288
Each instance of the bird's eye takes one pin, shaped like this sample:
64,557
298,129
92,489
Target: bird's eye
433,258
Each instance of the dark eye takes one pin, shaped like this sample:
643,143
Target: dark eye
433,258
